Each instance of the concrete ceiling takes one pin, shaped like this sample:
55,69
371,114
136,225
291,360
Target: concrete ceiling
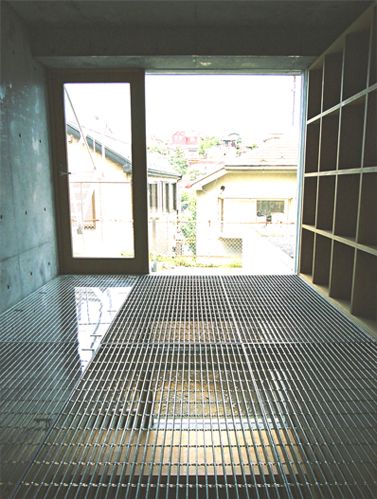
331,16
66,30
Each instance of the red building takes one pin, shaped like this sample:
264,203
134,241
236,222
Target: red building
180,138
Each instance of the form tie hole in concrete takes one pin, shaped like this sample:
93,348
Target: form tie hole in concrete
25,212
31,273
8,286
1,217
44,209
20,135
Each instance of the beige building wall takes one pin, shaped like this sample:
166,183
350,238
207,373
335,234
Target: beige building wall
99,190
112,208
236,206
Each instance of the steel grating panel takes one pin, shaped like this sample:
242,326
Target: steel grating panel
46,342
218,387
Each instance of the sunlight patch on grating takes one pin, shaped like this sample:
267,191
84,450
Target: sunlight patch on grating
194,392
46,342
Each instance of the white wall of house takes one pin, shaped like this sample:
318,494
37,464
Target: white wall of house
103,193
225,217
113,205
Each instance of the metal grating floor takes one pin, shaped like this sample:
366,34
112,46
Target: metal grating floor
46,342
218,387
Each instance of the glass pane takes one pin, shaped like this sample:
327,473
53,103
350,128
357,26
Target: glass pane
98,138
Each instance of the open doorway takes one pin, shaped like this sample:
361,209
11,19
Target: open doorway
223,156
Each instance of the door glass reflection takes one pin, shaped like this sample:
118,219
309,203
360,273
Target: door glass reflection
99,143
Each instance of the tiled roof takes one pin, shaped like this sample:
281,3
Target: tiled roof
156,167
276,150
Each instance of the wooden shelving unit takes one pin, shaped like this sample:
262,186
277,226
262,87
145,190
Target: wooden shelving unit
339,217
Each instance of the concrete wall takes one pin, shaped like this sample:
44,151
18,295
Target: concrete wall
28,254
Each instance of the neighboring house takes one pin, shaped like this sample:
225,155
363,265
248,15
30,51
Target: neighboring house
188,142
101,194
180,138
163,201
232,140
258,187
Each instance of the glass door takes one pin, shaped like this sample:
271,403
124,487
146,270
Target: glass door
100,168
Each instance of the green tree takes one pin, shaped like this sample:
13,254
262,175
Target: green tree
206,143
178,161
188,207
158,149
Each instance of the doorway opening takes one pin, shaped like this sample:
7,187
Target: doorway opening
222,158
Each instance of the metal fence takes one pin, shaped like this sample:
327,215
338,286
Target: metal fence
175,244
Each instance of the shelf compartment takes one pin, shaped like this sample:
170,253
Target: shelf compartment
312,147
342,271
355,63
314,92
368,209
351,134
325,205
322,258
310,197
364,299
306,254
332,79
347,201
329,142
370,151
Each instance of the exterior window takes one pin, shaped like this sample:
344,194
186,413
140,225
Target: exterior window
267,207
166,197
174,196
153,197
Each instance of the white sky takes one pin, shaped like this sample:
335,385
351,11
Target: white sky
100,106
252,105
221,104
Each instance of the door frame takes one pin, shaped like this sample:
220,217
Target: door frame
68,264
